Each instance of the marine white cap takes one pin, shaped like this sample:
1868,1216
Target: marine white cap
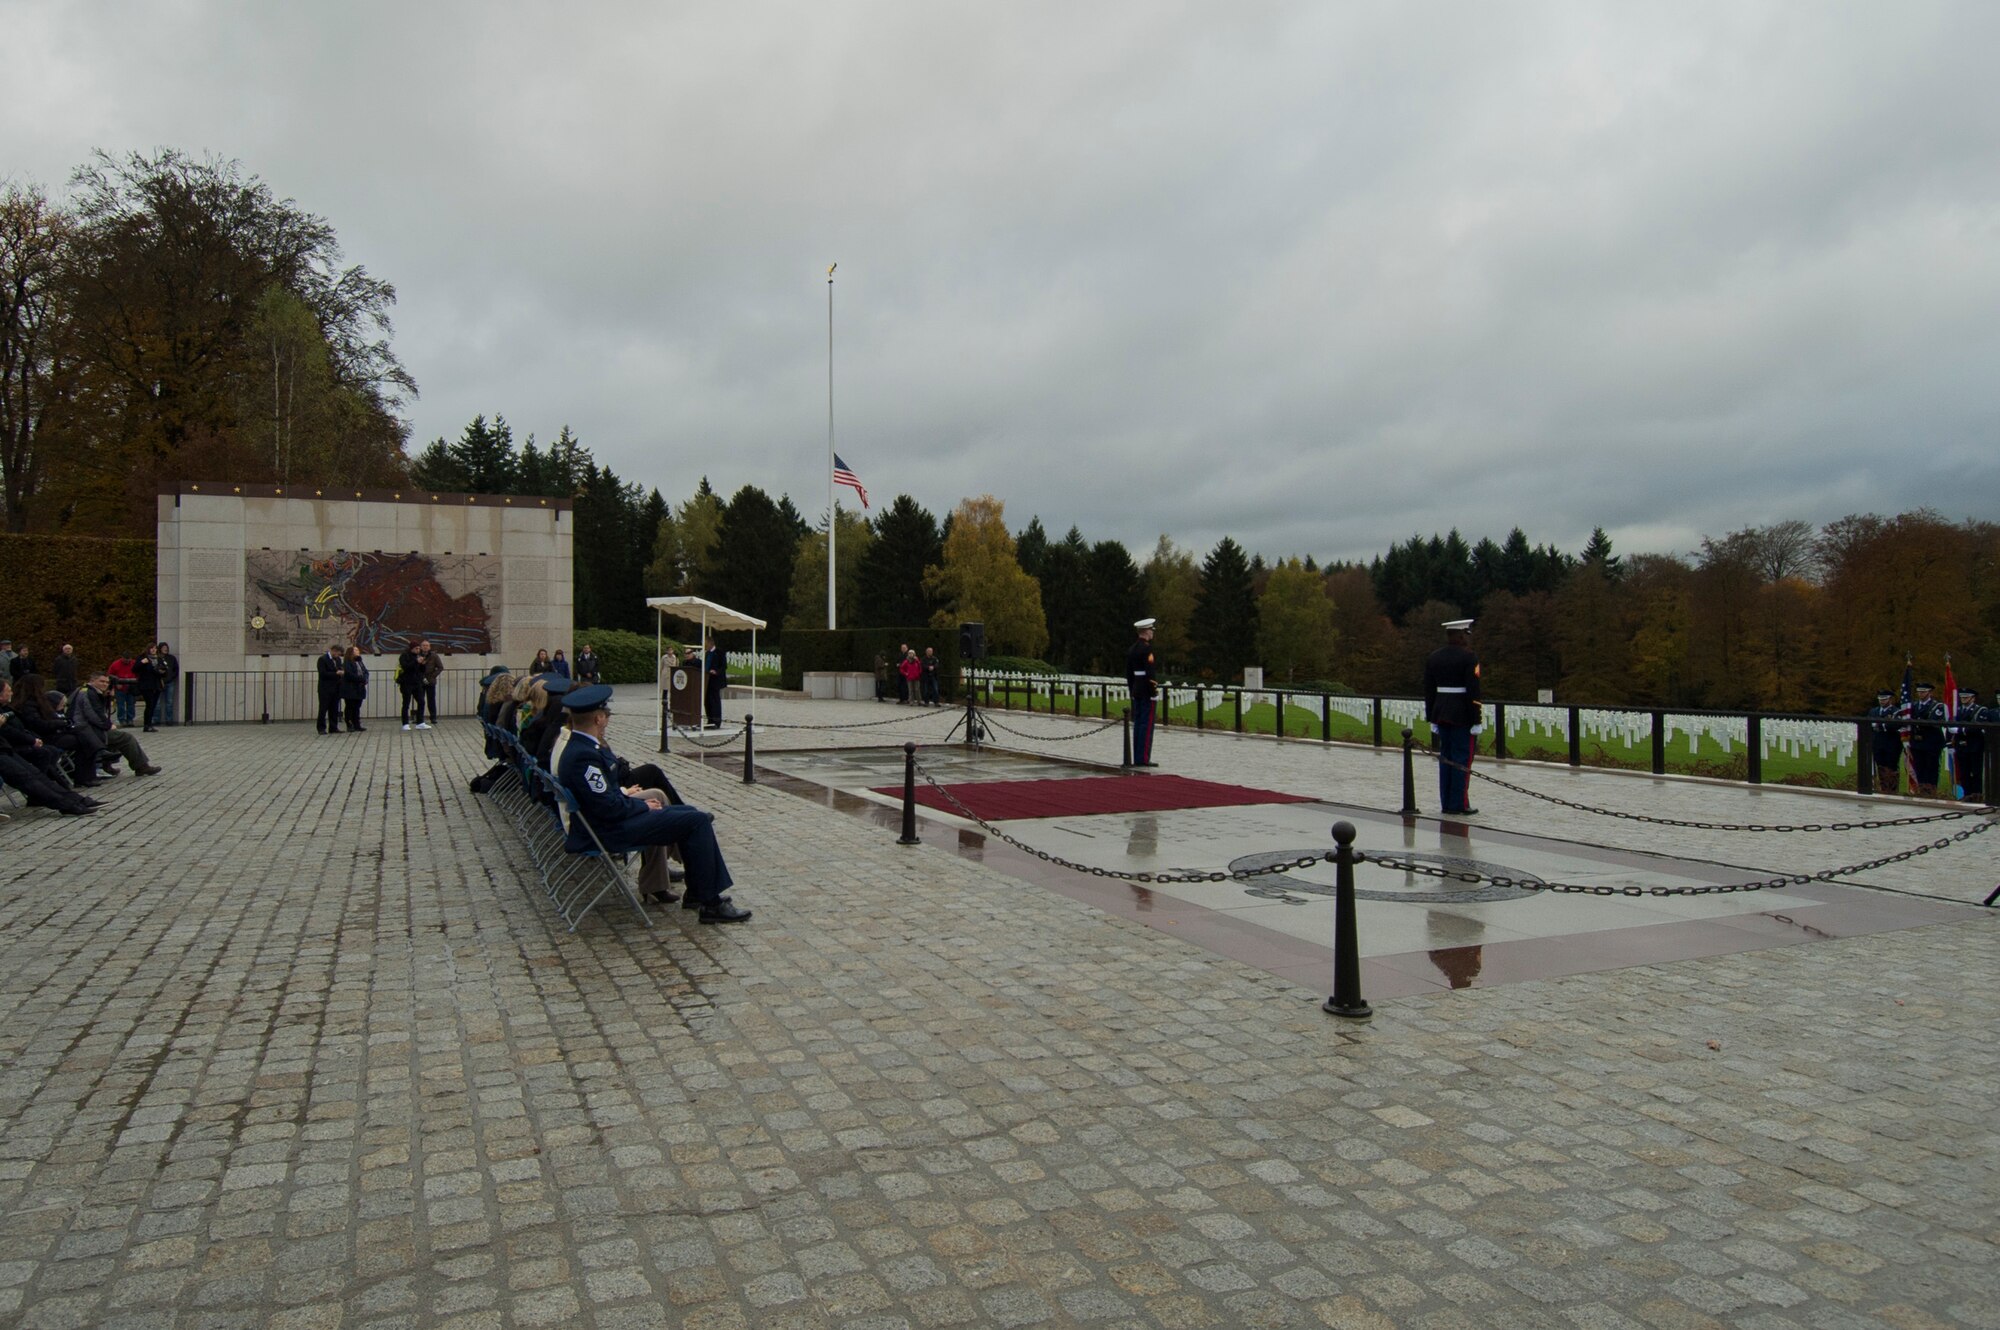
1458,625
1142,623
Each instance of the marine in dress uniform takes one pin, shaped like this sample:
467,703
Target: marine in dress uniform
1885,740
1451,705
1926,741
1142,680
1968,744
625,823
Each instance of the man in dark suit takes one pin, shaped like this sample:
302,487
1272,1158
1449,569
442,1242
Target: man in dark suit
330,676
715,677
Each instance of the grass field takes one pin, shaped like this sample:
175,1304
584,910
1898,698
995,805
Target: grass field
1708,756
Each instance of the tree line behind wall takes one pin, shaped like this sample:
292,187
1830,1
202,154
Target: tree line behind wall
170,319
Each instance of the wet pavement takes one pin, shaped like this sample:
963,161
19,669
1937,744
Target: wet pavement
288,1038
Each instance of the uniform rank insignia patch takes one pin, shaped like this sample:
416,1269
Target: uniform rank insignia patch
595,778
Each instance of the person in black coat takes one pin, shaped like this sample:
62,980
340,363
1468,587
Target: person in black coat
332,671
34,711
32,767
354,688
151,682
1885,741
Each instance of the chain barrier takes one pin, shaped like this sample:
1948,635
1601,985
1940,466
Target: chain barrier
1111,724
1167,876
1762,884
688,732
937,712
1871,824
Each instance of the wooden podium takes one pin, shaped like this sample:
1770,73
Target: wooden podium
684,693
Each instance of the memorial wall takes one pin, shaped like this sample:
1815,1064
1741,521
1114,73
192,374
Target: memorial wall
262,577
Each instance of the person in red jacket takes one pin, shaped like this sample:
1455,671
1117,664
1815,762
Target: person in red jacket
911,669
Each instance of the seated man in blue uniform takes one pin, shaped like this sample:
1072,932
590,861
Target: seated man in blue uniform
626,822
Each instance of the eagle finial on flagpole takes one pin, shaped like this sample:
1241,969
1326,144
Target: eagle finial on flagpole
829,270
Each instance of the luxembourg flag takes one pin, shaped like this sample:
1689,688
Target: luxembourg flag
844,475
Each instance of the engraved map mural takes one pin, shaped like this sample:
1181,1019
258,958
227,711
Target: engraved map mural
381,603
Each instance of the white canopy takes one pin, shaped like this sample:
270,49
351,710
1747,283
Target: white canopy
710,616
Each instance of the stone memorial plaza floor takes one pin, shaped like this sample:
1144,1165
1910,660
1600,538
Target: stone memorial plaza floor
290,1037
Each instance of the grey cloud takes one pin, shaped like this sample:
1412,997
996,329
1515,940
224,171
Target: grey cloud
1315,276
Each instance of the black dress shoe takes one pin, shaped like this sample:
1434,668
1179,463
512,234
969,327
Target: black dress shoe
664,897
723,911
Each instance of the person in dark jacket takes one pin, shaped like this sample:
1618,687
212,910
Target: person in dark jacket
587,665
715,678
90,712
433,671
147,671
560,665
354,688
1885,741
332,671
410,681
170,678
32,767
34,711
62,675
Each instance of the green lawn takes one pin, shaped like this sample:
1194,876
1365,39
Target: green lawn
1709,758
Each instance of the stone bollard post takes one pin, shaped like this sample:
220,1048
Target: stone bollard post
909,836
1409,808
1346,1000
666,719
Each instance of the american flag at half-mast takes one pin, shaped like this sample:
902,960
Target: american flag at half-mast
843,475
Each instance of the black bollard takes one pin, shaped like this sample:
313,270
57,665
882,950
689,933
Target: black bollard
909,836
749,753
1346,1000
666,720
971,722
1126,728
1409,808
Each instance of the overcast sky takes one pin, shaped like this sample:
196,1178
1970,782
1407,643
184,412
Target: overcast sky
1314,275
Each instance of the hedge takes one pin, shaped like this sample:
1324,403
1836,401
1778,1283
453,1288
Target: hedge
623,657
96,594
851,649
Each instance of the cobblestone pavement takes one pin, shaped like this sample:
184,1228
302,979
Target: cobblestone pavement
288,1039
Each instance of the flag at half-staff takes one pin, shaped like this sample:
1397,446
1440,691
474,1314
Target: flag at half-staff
844,475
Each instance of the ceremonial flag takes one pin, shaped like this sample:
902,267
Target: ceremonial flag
843,476
1904,706
1949,779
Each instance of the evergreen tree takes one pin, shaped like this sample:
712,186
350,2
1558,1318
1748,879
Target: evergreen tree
1224,627
1066,599
1117,598
1031,546
1597,554
609,582
755,546
484,457
890,593
1296,631
807,606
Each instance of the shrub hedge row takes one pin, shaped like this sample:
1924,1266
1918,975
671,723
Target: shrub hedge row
96,594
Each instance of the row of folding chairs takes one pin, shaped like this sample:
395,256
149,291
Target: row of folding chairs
537,803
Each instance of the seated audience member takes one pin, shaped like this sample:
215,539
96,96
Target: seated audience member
32,768
538,736
90,711
33,709
629,818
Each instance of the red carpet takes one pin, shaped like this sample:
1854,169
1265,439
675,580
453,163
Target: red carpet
1001,800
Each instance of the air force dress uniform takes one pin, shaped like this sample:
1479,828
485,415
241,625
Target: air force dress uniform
1451,705
1926,741
626,824
1885,740
1142,681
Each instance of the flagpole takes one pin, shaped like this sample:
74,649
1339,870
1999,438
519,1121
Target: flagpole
832,504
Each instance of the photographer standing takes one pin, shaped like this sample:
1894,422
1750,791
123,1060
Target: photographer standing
147,671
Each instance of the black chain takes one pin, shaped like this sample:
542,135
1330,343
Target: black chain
689,732
1052,738
938,712
1762,884
1168,876
1873,824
